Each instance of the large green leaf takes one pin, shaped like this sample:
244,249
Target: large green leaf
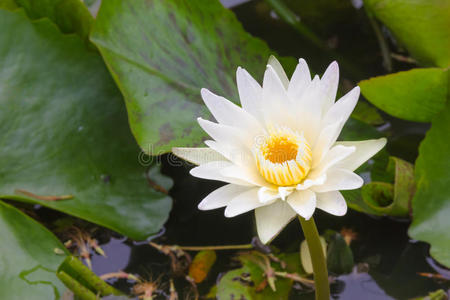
64,132
71,16
415,95
422,26
28,261
162,52
431,203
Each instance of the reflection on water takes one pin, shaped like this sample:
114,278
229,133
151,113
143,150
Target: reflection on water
360,284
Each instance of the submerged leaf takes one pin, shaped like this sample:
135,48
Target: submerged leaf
201,265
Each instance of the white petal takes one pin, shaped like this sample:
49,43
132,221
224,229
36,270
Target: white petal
332,202
299,81
312,180
246,173
303,202
225,134
228,113
275,101
308,110
284,191
273,61
212,171
364,151
326,139
198,156
221,197
342,109
271,219
339,179
243,203
329,82
334,156
266,195
240,156
250,93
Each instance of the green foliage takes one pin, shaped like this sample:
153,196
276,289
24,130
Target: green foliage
415,95
71,16
161,53
27,258
250,281
65,133
422,26
82,281
367,113
339,254
435,295
391,191
431,203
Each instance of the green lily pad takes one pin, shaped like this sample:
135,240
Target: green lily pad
422,26
71,16
415,95
367,113
431,203
27,258
65,141
161,53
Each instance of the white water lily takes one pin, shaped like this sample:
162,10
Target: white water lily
278,152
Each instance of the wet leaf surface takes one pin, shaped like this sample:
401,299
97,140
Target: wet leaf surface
27,258
414,95
431,203
420,25
65,133
161,53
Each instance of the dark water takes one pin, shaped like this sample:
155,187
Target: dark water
389,260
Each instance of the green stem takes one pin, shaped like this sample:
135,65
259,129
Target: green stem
384,48
222,247
318,260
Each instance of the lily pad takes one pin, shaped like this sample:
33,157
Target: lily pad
420,25
161,53
27,258
415,95
71,16
431,203
65,142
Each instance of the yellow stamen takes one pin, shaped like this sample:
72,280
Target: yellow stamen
284,157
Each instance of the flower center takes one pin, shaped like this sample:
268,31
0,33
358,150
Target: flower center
283,157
